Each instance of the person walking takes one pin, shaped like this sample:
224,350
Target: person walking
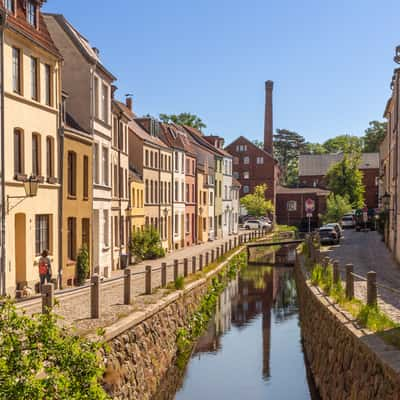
44,268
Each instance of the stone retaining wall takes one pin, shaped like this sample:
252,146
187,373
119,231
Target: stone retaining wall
346,362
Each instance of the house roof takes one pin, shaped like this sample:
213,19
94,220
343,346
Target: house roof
197,136
319,164
253,145
126,110
235,182
134,175
142,134
315,191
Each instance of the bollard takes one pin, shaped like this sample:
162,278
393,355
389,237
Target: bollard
147,289
200,262
240,239
127,286
222,252
217,250
95,296
163,274
336,272
349,281
176,269
372,294
212,255
226,247
207,258
185,267
193,264
47,297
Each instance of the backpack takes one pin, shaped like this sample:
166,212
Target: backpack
43,267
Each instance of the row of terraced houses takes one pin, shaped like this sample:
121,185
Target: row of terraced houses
79,168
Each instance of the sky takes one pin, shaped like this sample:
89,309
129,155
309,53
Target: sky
331,61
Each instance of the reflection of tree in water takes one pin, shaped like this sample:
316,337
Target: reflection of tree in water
285,298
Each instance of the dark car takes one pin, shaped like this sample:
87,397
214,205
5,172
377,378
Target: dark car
328,234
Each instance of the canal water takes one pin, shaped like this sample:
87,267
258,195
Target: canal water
252,349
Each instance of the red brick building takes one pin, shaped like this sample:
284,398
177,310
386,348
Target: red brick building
313,169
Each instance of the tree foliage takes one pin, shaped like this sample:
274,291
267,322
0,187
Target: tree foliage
345,179
146,245
336,207
314,148
343,143
259,143
82,265
374,136
184,119
39,360
255,203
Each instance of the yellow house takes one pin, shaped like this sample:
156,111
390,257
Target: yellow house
136,202
202,205
31,99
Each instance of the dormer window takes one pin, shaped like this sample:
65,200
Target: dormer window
31,12
9,5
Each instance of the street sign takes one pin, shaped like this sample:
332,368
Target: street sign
291,205
309,205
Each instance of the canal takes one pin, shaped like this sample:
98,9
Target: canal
252,348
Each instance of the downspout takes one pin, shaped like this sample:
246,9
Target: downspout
119,188
3,196
91,112
396,165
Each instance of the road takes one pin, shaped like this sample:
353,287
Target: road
367,252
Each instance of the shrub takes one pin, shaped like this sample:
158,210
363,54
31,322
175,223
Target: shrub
82,265
146,245
179,283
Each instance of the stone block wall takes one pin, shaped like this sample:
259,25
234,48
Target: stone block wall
346,362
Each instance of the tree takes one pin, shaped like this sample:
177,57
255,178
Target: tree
314,148
40,360
374,136
287,147
259,143
292,173
184,119
344,143
336,207
255,203
345,179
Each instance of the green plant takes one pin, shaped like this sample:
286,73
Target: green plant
82,265
179,283
40,360
146,245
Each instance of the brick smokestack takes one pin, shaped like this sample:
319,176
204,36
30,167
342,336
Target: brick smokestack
268,117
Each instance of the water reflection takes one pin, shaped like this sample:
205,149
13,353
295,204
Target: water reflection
251,348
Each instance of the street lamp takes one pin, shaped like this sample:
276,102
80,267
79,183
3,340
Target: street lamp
31,188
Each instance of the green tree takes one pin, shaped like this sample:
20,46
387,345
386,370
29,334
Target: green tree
345,179
314,148
292,173
344,143
40,360
255,203
184,119
336,207
82,265
259,143
374,136
287,147
147,245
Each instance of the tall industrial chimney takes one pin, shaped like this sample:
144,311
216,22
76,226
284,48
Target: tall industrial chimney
268,118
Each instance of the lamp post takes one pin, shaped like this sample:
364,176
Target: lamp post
31,187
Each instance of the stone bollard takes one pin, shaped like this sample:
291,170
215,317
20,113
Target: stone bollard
222,252
47,297
185,267
176,269
163,274
147,288
127,286
349,281
201,262
212,255
336,272
95,296
207,258
372,293
240,239
193,264
217,251
230,243
226,247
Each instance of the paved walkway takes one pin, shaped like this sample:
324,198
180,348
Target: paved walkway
367,252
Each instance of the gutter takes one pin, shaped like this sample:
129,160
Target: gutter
3,197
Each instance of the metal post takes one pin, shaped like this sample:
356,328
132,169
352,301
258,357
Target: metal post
185,267
176,269
147,288
95,296
47,298
127,286
200,262
372,294
193,264
336,272
349,281
163,274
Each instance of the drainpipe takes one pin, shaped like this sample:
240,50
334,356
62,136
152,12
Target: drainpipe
3,197
119,187
396,161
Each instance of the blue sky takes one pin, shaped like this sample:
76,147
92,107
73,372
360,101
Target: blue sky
331,61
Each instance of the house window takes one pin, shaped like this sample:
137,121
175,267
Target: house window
105,228
42,233
246,160
31,12
50,157
246,175
115,183
151,192
104,102
71,245
47,85
9,5
71,173
176,224
34,78
96,163
176,161
260,160
36,167
187,193
211,199
246,189
18,152
235,160
146,190
85,177
204,224
16,70
121,231
146,158
96,97
105,166
86,233
176,194
116,231
151,159
236,175
225,192
187,223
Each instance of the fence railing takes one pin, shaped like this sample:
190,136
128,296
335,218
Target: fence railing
197,263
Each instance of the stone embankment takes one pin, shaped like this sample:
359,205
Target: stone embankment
347,362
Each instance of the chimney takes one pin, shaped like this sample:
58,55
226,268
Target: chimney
268,118
128,102
113,90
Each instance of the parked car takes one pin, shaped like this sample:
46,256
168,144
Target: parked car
348,221
337,227
257,224
328,234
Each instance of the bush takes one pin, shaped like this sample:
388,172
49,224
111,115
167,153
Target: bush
146,245
82,265
39,360
179,283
